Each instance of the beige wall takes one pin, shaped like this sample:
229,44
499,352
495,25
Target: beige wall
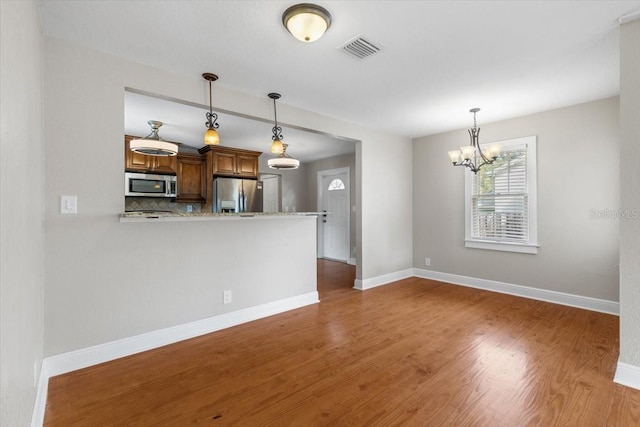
577,175
96,290
21,195
630,193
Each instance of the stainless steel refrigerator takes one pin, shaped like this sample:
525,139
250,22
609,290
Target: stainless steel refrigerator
237,195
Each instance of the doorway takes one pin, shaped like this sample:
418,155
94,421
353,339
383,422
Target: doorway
270,192
334,227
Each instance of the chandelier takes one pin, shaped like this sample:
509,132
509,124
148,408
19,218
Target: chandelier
472,154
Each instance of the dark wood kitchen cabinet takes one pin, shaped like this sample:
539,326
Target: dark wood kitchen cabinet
225,161
191,178
136,162
234,162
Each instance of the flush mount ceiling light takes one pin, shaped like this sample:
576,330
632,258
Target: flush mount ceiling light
307,22
284,161
276,145
468,155
211,136
152,144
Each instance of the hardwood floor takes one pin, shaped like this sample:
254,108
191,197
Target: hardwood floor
414,353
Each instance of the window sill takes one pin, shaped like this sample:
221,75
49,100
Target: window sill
505,247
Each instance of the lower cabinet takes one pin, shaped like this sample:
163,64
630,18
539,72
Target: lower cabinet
191,177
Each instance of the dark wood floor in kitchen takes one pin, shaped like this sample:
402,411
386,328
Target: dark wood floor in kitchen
414,353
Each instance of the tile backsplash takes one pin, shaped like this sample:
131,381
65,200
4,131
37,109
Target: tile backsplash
158,204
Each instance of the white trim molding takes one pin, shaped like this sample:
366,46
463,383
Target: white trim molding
385,279
587,303
627,375
78,359
37,418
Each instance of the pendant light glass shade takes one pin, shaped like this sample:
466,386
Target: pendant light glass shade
277,146
306,22
152,144
211,136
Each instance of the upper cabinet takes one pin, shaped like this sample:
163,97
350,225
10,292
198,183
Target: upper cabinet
225,161
136,162
191,178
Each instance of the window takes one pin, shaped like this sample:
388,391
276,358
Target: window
336,184
500,200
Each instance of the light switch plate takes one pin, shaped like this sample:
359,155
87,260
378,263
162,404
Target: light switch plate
68,204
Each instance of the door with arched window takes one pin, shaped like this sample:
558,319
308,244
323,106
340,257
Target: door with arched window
334,199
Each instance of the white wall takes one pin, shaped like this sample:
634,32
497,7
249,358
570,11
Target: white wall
21,193
95,290
630,193
577,173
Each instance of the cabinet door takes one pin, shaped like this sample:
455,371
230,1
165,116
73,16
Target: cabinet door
224,163
164,164
191,178
135,162
247,166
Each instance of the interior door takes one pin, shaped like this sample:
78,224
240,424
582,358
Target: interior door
271,192
335,224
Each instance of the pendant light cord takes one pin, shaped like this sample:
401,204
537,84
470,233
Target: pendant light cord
275,113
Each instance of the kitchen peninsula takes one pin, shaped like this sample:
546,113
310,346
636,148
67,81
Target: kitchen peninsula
211,216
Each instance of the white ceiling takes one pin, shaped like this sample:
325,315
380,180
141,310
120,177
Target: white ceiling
440,58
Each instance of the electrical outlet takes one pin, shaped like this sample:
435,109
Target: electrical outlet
226,297
68,204
427,262
189,208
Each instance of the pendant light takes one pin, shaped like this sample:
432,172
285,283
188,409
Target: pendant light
211,136
468,155
152,144
276,145
306,22
284,161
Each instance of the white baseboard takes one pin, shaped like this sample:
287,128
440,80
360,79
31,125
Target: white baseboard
382,280
78,359
352,261
628,375
37,418
587,303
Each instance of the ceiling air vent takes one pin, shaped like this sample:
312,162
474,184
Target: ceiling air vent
360,47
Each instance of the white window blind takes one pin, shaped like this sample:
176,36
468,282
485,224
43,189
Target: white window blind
501,200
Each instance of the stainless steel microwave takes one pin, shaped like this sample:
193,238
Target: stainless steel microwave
149,185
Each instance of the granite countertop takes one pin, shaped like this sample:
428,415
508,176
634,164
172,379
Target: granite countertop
205,216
